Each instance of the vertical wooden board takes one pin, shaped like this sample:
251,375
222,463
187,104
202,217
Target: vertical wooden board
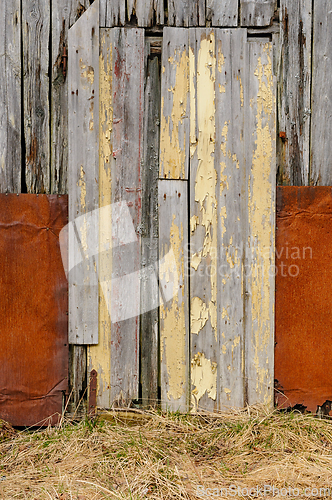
35,42
112,13
203,220
174,132
174,301
62,12
260,133
294,92
230,165
223,13
184,13
321,106
77,8
99,356
257,12
10,98
127,157
148,12
149,244
83,174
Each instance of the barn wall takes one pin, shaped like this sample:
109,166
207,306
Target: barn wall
34,100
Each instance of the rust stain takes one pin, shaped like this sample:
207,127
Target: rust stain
33,309
303,297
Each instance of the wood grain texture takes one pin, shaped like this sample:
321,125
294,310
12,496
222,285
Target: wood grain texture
10,98
223,13
62,15
260,133
203,219
36,35
294,92
257,12
231,101
184,13
99,356
127,159
76,9
83,172
150,231
174,134
321,106
147,13
174,294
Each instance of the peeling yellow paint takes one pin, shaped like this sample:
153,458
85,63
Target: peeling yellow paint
228,393
199,315
173,131
87,73
82,184
204,378
203,110
221,60
196,259
260,205
173,328
241,91
99,356
222,89
194,221
224,348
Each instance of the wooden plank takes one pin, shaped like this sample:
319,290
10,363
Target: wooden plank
83,170
321,97
10,98
260,133
62,14
150,231
127,157
223,13
148,12
174,133
257,12
174,294
184,13
294,93
230,165
112,13
76,9
203,220
35,41
99,356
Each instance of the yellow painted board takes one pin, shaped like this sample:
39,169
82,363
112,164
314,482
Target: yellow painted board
260,137
174,127
174,304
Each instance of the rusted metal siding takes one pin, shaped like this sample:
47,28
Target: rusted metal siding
33,309
303,297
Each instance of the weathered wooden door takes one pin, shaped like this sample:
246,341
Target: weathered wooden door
33,309
211,231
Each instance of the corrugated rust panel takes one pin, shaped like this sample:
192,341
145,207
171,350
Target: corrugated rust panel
33,308
303,349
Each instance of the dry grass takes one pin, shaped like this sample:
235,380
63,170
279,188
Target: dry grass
166,456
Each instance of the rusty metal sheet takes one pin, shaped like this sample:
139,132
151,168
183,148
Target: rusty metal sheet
303,349
33,309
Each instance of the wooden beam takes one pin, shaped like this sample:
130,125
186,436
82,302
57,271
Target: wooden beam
222,14
257,12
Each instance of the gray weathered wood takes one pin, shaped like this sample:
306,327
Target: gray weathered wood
83,175
62,14
231,101
184,13
174,294
147,12
76,9
321,143
257,12
77,376
203,219
149,244
35,42
223,13
294,92
174,133
10,98
127,159
260,140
